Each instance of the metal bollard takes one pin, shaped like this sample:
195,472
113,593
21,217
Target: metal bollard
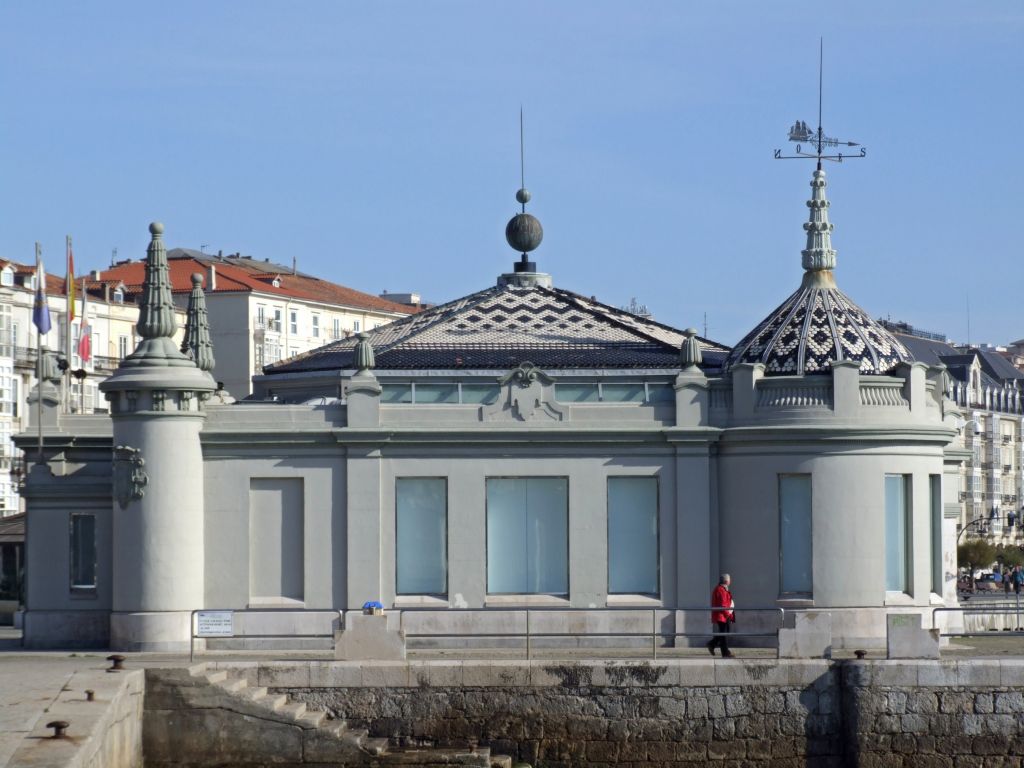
116,662
860,654
59,726
90,694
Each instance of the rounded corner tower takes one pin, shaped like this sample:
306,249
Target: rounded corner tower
156,404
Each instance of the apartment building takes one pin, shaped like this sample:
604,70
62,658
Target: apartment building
989,390
112,315
261,312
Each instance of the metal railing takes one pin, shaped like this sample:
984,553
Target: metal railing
530,635
193,629
995,606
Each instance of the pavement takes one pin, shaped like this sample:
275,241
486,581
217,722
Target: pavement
31,681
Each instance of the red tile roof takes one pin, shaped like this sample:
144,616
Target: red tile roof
234,278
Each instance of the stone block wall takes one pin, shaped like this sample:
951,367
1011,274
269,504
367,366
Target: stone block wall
594,713
934,714
948,714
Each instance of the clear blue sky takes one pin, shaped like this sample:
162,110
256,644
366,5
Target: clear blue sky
378,144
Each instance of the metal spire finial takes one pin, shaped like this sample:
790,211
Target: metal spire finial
523,232
801,134
523,195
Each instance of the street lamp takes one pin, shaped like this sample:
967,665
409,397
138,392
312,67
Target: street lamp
979,521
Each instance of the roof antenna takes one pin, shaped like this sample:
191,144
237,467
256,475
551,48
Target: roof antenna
801,134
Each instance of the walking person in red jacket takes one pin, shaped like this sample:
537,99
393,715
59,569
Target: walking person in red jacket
721,616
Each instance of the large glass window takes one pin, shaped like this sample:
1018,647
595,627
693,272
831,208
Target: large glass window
585,392
623,393
935,509
897,530
795,537
528,535
421,537
633,535
437,393
83,551
480,393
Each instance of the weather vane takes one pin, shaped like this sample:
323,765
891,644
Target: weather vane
802,134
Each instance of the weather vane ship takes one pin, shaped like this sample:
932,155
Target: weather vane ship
801,134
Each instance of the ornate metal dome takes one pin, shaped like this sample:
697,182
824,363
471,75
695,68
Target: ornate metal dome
818,324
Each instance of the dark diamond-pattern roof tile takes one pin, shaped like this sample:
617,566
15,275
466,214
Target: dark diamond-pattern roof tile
499,328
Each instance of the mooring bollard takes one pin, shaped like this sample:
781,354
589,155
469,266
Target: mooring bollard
90,694
59,726
860,654
116,662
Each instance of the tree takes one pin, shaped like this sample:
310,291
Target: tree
974,554
1010,555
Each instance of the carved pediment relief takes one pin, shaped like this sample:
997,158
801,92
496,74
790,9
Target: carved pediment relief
527,395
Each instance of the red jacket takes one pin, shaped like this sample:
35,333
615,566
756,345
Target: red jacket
721,598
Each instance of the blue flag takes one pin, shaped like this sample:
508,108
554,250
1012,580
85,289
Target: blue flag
41,310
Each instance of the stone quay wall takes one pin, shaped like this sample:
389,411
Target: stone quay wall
683,712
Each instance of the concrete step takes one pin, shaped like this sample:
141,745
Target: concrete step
374,745
216,677
197,669
234,685
274,702
254,694
461,756
294,709
357,735
312,718
501,761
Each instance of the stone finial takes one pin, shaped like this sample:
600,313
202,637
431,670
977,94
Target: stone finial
49,370
197,344
156,323
818,255
156,312
364,353
689,351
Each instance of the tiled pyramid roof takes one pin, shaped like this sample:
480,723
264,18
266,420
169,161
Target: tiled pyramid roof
499,328
813,327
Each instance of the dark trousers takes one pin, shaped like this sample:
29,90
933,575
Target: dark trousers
719,641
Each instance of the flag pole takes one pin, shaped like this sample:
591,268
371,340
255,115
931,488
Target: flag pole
39,371
69,316
83,326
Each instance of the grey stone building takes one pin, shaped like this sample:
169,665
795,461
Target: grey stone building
521,447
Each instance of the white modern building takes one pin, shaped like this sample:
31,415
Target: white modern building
521,447
261,312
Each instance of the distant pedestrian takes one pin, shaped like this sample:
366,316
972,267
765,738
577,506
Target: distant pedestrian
1007,580
721,615
1018,578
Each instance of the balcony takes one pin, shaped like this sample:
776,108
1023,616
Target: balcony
266,324
24,357
963,496
1007,439
105,363
1007,467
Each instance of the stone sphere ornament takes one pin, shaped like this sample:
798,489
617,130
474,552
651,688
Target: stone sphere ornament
524,232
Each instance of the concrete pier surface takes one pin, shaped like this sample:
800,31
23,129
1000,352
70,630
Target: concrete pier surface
40,687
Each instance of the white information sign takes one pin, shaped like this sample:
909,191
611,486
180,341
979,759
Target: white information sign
214,624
